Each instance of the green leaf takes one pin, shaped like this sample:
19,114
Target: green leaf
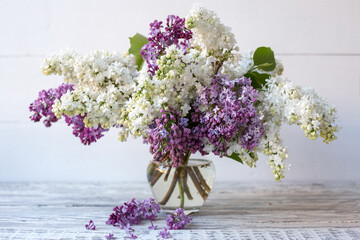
264,59
235,157
136,43
257,79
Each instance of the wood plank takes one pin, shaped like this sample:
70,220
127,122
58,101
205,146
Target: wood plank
233,211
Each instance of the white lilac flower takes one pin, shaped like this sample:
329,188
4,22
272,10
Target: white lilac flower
103,83
177,82
288,102
282,101
209,33
102,108
96,70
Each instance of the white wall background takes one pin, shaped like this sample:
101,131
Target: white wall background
318,41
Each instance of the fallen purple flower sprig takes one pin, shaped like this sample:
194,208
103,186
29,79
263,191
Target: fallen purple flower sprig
165,234
178,219
110,236
133,212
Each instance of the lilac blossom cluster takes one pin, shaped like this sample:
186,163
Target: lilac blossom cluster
178,219
42,107
223,113
179,103
175,33
230,114
133,212
172,136
87,135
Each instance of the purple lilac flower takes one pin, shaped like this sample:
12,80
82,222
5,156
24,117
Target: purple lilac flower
133,212
178,219
42,107
149,209
184,122
171,135
90,226
87,135
175,33
110,236
165,233
231,114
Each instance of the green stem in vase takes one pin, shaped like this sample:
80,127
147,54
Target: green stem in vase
181,177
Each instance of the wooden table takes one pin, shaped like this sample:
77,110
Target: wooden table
232,211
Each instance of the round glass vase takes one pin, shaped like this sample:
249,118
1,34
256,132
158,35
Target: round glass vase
186,186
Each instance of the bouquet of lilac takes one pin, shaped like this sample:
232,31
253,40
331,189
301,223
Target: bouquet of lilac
185,89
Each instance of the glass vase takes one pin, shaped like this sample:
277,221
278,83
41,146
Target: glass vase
186,186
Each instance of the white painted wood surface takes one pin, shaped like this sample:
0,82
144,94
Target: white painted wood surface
233,211
318,42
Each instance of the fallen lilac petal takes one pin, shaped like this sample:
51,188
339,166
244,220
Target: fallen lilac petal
131,236
110,236
90,226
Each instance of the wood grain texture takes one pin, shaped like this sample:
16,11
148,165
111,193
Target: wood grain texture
232,211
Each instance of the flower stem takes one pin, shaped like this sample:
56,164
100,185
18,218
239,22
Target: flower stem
197,184
165,158
186,158
167,173
184,179
156,178
181,189
171,189
218,65
201,179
